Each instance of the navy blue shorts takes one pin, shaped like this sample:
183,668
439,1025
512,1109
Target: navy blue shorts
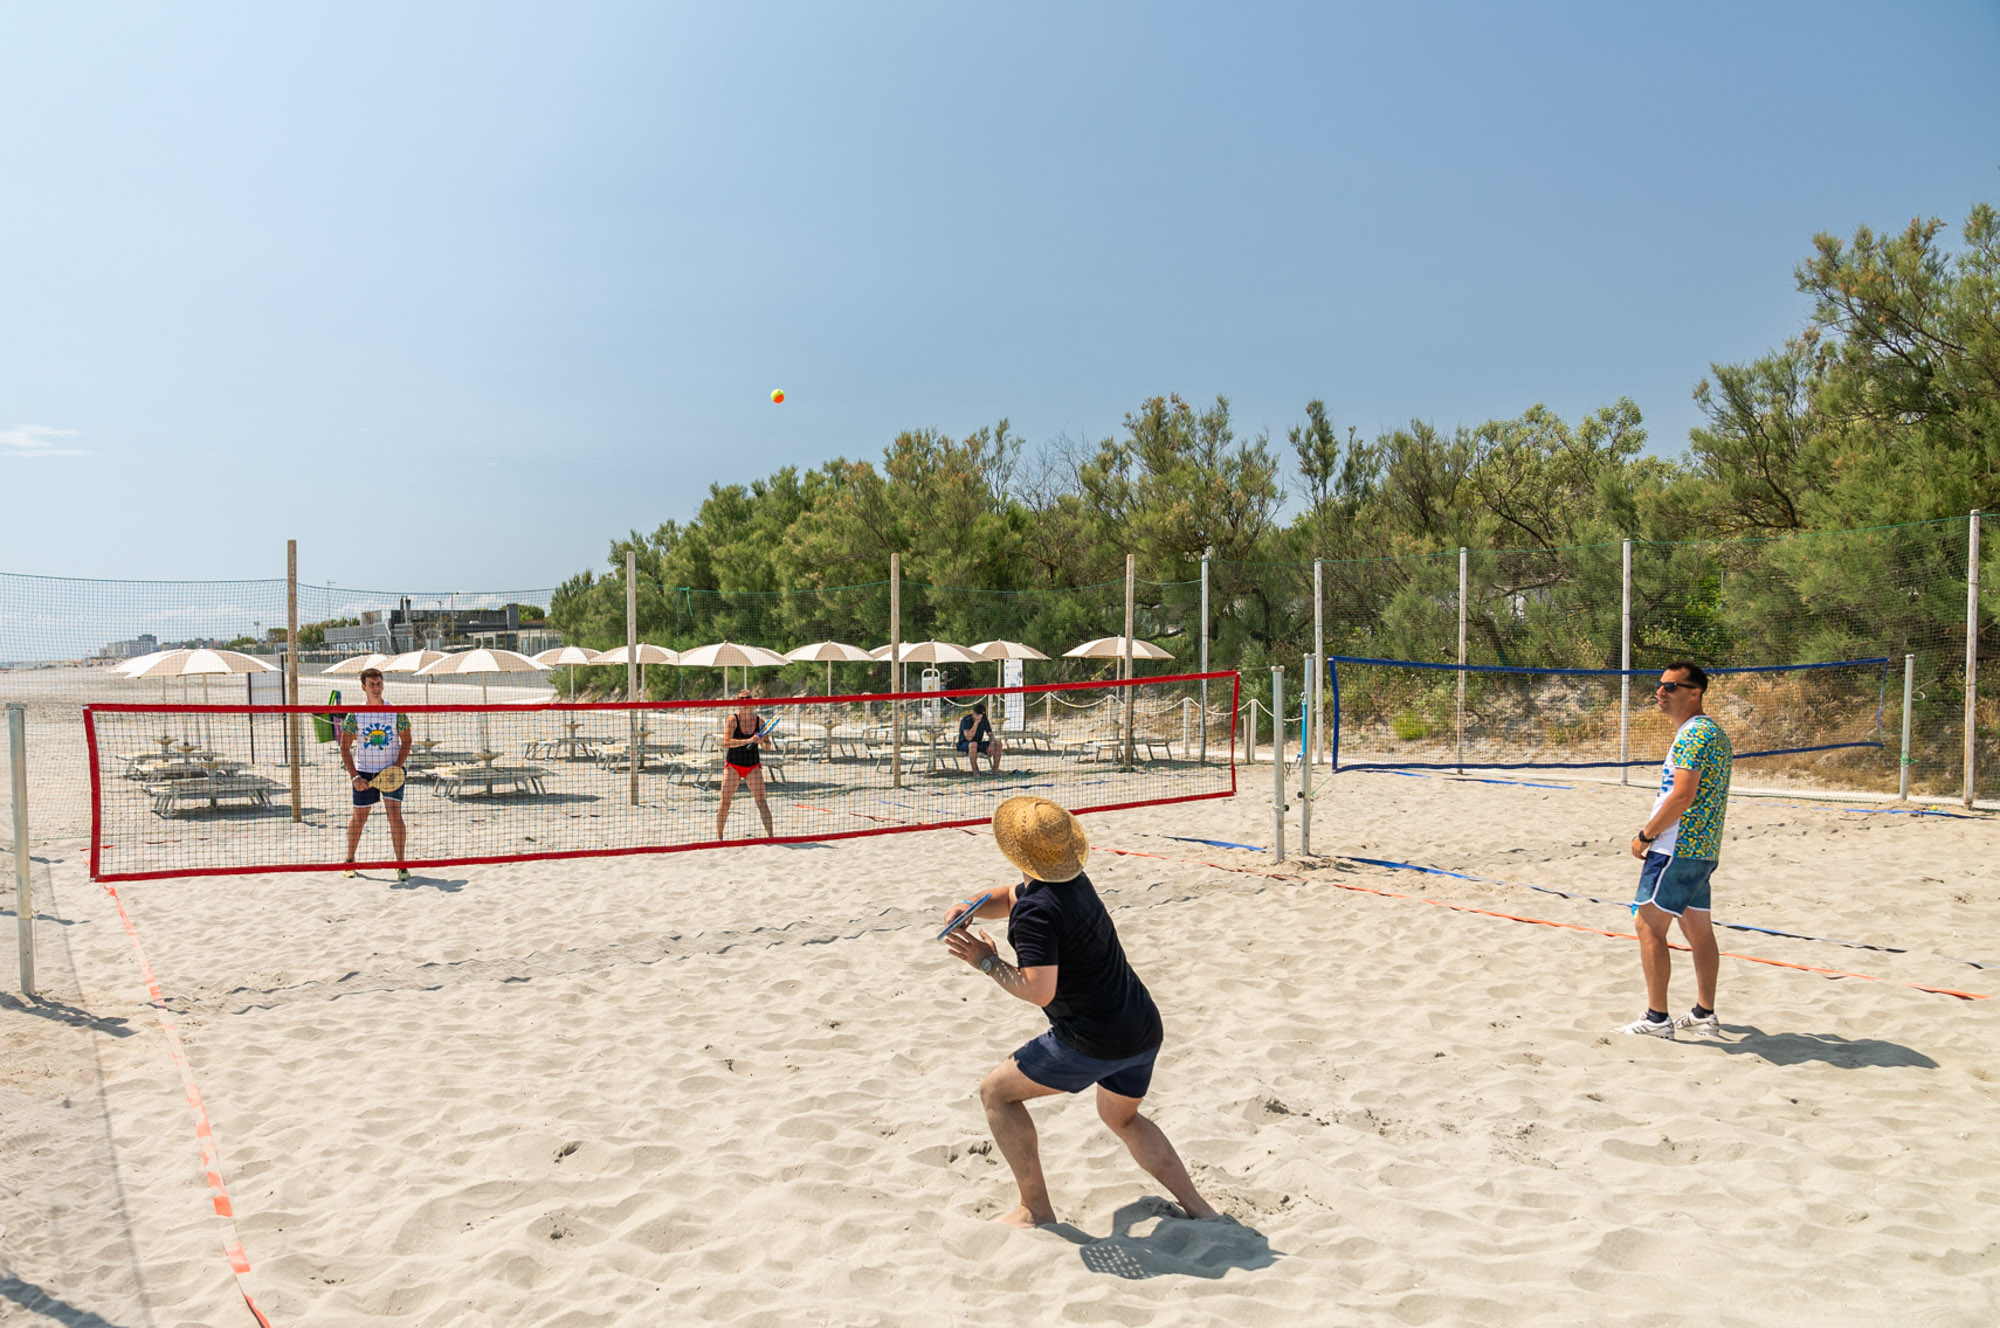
1052,1065
1674,885
985,748
369,797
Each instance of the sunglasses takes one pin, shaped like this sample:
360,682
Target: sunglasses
1676,686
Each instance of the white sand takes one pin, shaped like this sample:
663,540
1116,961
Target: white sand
737,1087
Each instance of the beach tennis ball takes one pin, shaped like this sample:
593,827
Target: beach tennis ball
777,395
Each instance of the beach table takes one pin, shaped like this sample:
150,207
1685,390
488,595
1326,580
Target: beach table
174,795
457,781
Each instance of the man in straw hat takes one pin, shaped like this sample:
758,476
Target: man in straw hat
1104,1028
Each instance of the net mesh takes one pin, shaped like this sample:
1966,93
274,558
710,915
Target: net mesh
189,790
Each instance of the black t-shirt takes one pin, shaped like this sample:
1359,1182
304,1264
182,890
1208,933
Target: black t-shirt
974,728
1100,1008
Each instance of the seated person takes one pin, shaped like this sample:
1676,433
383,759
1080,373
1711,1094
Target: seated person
976,738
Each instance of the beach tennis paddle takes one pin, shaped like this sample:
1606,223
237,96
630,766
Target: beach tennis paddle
387,780
964,918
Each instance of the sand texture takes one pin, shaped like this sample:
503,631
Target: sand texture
736,1086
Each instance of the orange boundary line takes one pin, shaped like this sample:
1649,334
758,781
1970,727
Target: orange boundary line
211,1160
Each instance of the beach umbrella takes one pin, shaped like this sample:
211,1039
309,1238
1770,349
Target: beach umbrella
358,664
415,661
647,653
569,656
482,661
930,652
727,655
1002,651
1113,647
184,664
829,653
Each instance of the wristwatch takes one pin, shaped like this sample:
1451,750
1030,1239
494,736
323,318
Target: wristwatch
989,963
1645,838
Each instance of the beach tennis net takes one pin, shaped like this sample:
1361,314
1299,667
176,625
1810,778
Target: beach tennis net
179,790
1826,720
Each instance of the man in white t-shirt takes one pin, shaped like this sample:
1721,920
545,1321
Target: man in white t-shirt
372,739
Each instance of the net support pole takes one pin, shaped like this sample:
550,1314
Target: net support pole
292,734
1277,763
1131,573
1311,726
895,669
1625,666
1206,554
1909,692
1462,581
1317,739
632,670
1971,655
24,892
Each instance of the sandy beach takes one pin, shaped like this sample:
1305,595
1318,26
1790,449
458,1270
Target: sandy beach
736,1086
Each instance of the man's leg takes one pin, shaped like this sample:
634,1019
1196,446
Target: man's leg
1002,1094
354,824
1697,927
1151,1149
398,834
994,750
1654,956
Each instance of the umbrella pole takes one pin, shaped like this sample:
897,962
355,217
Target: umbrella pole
829,677
485,734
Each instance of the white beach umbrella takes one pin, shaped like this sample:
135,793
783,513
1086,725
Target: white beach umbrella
203,664
829,653
1113,647
726,655
416,661
482,661
930,652
1002,651
569,656
647,653
358,664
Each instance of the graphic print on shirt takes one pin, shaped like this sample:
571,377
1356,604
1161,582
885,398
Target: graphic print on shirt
1701,746
377,737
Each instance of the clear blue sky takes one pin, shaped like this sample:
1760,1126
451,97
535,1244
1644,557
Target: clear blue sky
455,293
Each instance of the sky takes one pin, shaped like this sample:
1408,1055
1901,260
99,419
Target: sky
455,294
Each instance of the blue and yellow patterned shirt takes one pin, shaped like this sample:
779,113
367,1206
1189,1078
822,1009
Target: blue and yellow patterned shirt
1703,747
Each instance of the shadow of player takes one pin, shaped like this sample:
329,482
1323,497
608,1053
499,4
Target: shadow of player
1174,1247
1826,1048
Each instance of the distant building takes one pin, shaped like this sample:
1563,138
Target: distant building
143,644
393,631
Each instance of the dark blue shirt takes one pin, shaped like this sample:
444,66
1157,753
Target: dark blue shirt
1100,1008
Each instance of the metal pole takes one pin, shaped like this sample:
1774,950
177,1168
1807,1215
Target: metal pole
632,739
1206,554
1306,765
1971,653
1461,658
896,669
1909,690
292,734
1314,682
24,894
1277,763
1625,664
1131,564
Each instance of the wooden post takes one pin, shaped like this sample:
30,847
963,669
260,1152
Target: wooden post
632,669
1131,565
1206,554
895,669
24,892
1461,658
1909,689
292,734
1277,763
1315,682
1971,656
1625,668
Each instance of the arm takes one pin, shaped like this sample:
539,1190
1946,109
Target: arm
1036,986
347,754
1687,787
408,735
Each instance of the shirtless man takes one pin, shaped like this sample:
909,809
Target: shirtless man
1104,1028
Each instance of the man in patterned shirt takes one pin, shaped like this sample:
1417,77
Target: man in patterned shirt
372,740
1679,845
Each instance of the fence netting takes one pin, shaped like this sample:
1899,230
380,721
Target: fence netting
188,790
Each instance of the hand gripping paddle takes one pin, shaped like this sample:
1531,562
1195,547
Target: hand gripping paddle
387,780
965,918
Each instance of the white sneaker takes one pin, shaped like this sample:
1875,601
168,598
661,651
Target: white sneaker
1701,1025
349,873
1645,1027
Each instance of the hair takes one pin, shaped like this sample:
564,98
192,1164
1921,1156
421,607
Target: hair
366,674
978,707
1695,673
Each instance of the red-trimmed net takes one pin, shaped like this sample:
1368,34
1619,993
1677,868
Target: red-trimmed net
208,790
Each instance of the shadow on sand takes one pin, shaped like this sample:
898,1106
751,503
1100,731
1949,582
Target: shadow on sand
1174,1247
1827,1048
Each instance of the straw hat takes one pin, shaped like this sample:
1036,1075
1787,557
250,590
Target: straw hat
1040,838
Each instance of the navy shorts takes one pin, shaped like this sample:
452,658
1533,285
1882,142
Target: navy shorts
985,748
1052,1065
369,797
1674,885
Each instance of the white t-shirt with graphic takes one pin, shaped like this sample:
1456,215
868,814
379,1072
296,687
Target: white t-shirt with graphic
378,736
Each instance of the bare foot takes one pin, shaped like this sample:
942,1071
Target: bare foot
1200,1208
1025,1218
